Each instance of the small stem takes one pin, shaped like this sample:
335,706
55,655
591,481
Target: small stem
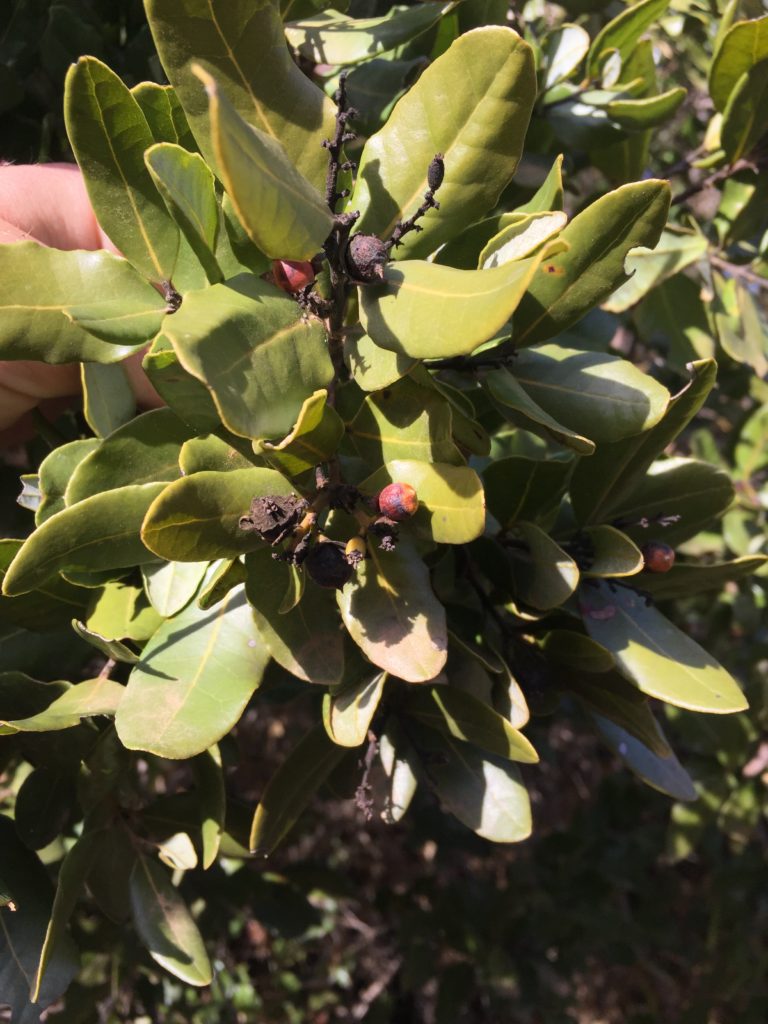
714,179
737,270
434,181
340,136
503,354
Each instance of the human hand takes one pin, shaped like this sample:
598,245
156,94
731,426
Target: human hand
49,204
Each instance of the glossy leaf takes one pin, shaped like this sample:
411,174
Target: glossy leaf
521,488
108,400
100,532
391,612
272,94
193,680
187,186
292,787
332,38
218,453
623,32
109,134
348,712
228,574
745,118
52,605
165,116
521,238
484,792
590,392
462,716
64,307
518,408
281,211
451,500
648,111
656,656
196,518
663,773
570,650
687,578
649,267
428,311
570,284
599,484
472,105
122,610
93,697
145,450
170,586
209,777
305,639
611,553
372,367
545,576
184,394
165,925
314,438
401,765
549,195
111,647
249,345
562,51
742,47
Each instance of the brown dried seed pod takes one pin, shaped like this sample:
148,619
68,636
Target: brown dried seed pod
327,565
436,172
365,258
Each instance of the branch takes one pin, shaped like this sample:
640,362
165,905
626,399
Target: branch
435,174
714,179
737,270
340,136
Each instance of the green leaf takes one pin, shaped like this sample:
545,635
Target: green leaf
451,500
400,764
522,488
391,612
409,419
69,886
751,452
591,392
165,116
197,518
100,532
673,318
518,408
209,778
579,653
545,576
599,238
193,680
292,787
623,32
243,46
649,267
49,607
305,639
520,238
333,38
172,585
549,195
348,711
187,186
281,211
648,111
663,773
484,792
44,804
110,647
599,484
374,368
109,134
656,656
695,491
165,925
428,311
99,696
739,325
146,450
685,579
314,439
186,396
745,118
743,47
563,50
249,344
22,934
228,575
108,399
121,610
462,716
611,553
218,453
65,307
472,105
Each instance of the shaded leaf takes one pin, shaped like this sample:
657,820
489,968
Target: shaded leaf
611,553
186,396
165,116
545,576
741,48
93,697
209,777
108,400
685,579
521,488
372,367
623,32
401,764
110,647
314,438
745,118
663,773
348,712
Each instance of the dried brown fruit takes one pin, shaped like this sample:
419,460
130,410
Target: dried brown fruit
327,565
365,258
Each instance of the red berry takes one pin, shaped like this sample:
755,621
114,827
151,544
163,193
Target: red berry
292,275
398,502
658,557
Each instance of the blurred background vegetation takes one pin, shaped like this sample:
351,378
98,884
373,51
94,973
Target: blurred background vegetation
624,907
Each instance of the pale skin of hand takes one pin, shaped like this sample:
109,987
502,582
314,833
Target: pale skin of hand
49,204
